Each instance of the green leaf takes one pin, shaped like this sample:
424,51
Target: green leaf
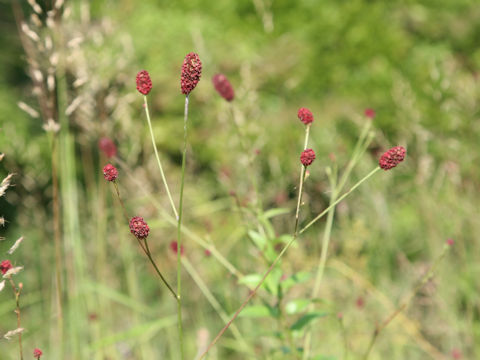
296,306
275,212
295,279
250,279
259,240
306,319
255,311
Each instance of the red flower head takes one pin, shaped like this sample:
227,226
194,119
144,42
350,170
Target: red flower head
144,83
456,354
174,247
305,116
191,72
110,172
370,113
37,353
450,242
223,87
5,265
107,146
139,227
392,157
307,157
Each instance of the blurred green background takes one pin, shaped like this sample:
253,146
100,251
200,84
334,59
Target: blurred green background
415,63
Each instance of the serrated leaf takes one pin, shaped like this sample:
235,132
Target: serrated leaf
255,311
306,319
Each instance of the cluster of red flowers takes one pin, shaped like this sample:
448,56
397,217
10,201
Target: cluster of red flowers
110,172
107,146
37,353
191,72
392,157
144,83
139,227
223,87
305,116
307,157
5,265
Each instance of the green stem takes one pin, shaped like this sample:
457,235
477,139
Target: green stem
158,157
186,231
57,233
215,304
149,255
145,247
319,216
323,258
179,230
272,266
302,179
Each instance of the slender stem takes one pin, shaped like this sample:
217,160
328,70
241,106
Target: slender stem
149,255
272,266
405,303
158,157
57,233
179,230
125,214
248,152
302,179
269,270
323,258
336,186
345,340
319,216
16,292
214,302
145,247
185,230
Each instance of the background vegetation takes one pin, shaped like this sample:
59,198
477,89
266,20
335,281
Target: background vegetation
415,62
